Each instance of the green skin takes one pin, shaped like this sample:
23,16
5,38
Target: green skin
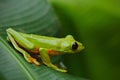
43,43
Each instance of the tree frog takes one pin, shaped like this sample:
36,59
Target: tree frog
43,45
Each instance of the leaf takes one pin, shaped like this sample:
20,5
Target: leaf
29,16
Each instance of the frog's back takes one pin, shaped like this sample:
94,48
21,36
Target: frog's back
44,41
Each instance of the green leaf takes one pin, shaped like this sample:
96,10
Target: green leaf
29,16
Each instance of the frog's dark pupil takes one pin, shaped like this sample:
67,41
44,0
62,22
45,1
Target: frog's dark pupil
74,46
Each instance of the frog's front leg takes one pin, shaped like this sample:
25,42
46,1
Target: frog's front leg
25,54
46,60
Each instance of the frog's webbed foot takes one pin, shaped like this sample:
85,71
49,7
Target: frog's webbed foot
31,60
56,68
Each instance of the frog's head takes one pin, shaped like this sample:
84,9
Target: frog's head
70,45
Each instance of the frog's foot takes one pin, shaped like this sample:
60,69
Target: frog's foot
32,60
56,68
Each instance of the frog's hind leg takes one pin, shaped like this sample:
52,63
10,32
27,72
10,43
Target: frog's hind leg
25,54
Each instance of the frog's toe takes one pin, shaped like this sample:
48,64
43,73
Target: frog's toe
33,60
61,70
58,69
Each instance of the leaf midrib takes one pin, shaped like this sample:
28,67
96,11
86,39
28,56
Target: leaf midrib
18,60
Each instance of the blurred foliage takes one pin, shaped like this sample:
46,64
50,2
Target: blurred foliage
96,23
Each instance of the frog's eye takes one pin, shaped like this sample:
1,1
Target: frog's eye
74,46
